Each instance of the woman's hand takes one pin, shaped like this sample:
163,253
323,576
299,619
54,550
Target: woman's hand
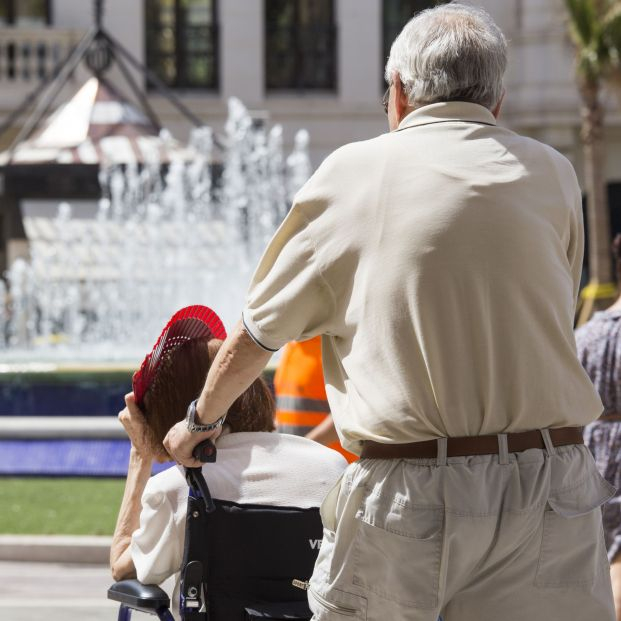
135,425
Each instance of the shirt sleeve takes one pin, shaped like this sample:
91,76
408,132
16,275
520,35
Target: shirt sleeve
289,298
156,546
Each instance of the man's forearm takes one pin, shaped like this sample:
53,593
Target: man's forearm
238,363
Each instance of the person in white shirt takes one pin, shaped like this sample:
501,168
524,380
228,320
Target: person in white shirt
254,464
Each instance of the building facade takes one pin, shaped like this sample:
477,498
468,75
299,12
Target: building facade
316,64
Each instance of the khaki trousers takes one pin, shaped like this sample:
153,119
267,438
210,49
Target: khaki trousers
509,537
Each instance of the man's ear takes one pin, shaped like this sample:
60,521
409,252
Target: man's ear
402,102
498,107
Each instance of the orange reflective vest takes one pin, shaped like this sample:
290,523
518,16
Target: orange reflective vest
301,402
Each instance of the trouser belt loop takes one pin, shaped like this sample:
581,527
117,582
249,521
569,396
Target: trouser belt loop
545,434
442,449
503,449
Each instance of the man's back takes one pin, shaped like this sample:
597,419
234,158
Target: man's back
461,271
441,264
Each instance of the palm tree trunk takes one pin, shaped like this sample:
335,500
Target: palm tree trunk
600,271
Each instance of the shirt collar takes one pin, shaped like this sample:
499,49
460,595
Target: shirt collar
448,111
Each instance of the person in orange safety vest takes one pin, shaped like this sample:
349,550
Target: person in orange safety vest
301,405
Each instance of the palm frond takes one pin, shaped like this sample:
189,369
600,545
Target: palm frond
611,32
595,29
583,22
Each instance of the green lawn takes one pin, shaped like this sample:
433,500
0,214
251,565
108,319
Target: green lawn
59,506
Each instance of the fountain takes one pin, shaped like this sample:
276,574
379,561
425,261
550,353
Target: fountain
77,318
173,226
100,289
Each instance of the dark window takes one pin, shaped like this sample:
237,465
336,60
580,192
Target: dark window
397,13
614,213
300,45
182,42
25,13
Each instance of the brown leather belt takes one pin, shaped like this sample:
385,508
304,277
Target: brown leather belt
609,418
470,445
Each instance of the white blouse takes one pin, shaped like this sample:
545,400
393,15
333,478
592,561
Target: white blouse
251,468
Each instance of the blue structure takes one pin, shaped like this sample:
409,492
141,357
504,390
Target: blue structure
62,458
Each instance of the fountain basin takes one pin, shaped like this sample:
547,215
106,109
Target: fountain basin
69,389
60,419
43,389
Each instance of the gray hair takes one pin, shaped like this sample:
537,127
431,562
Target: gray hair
452,52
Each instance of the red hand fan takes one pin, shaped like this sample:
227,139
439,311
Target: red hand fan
191,322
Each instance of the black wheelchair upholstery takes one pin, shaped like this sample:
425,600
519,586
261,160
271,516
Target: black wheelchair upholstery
239,563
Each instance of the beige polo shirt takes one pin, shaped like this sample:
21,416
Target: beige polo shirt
441,263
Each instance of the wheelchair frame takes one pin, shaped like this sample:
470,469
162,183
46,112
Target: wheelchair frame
149,598
194,606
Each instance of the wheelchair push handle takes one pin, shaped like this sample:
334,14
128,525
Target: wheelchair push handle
205,452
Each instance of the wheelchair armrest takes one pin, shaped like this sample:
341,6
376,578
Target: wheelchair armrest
144,597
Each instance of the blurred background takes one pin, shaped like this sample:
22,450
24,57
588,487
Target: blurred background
314,64
149,149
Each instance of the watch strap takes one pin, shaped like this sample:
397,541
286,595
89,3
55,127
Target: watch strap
194,427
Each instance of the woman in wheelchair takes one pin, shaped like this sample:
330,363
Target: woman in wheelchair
254,466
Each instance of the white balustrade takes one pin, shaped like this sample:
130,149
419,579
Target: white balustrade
30,54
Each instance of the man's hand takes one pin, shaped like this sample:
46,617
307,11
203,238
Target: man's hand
180,443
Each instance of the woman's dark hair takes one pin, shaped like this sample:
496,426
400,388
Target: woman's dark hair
616,253
180,380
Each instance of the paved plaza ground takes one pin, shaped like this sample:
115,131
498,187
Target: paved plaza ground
56,592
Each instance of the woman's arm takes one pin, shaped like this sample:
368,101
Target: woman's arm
138,473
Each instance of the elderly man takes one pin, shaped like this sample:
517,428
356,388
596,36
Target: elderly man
441,264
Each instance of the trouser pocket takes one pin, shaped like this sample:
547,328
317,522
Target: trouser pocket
398,552
335,605
573,552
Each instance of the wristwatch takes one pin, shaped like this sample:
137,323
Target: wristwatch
196,427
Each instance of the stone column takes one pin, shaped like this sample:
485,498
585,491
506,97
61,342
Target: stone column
242,63
360,63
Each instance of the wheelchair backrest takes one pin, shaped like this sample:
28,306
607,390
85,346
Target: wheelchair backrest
248,556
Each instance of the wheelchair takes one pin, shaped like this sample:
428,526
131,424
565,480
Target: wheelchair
240,562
